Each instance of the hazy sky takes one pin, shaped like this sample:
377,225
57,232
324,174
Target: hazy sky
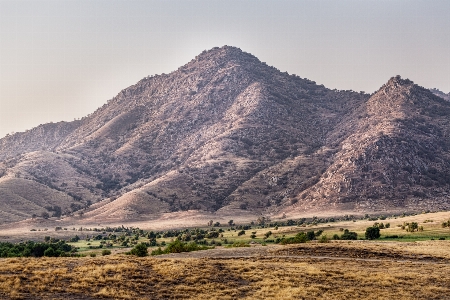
61,59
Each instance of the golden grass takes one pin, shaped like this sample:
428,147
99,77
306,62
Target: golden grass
279,275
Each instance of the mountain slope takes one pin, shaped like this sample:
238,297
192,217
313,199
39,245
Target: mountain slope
397,158
441,94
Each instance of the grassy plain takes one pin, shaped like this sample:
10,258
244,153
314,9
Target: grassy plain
335,270
416,266
431,223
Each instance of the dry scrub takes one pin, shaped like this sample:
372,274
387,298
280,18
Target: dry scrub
275,276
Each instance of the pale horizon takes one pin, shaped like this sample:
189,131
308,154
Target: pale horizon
61,60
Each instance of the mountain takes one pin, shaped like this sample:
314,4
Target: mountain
395,157
441,94
226,133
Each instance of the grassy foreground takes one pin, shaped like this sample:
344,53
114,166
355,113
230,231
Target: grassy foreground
289,273
416,265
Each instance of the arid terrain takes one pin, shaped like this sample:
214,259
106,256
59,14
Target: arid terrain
336,270
242,262
285,183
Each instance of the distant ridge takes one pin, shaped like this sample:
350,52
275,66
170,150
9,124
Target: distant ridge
441,94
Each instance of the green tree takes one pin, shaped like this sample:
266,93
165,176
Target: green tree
50,252
349,235
140,250
310,235
372,233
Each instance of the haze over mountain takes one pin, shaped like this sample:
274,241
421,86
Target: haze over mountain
227,133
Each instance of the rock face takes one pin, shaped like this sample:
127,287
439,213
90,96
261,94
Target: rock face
227,133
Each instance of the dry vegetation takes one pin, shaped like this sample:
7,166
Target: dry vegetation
296,272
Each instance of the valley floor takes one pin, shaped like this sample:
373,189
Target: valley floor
335,270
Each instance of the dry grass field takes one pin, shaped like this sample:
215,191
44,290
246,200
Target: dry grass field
415,266
335,270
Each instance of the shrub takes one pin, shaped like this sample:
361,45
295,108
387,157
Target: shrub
75,239
138,250
106,252
392,236
349,235
324,239
310,235
50,252
372,233
213,235
92,254
318,233
267,234
301,237
178,247
239,244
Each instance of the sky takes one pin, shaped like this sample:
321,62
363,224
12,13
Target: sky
62,59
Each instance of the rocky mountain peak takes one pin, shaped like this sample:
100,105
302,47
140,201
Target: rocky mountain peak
398,81
225,54
396,84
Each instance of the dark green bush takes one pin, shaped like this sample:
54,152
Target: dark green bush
178,247
33,249
138,250
310,235
299,238
239,244
349,235
372,233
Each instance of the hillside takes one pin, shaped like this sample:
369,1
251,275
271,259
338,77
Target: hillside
226,133
441,94
395,158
